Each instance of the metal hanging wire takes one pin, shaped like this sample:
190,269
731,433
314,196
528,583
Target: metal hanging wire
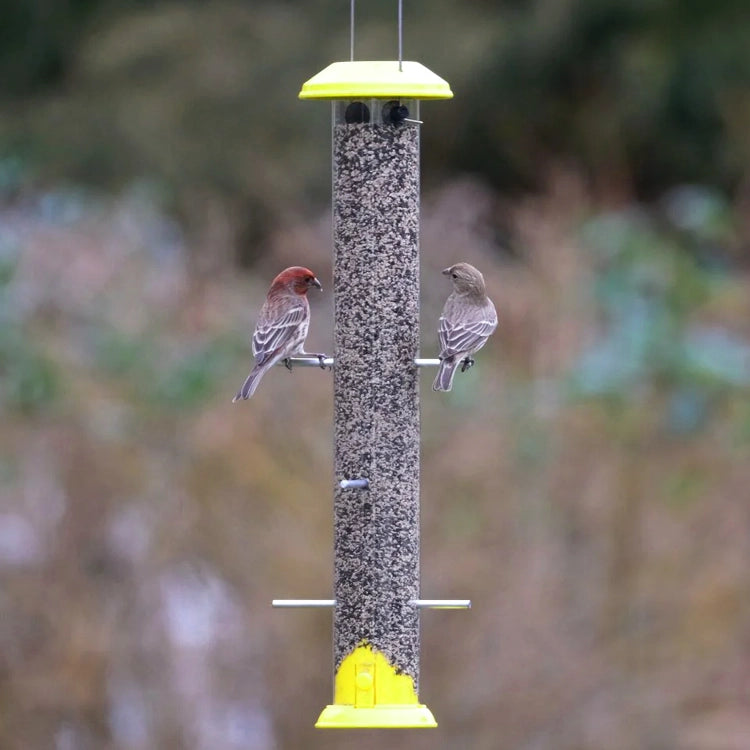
400,34
352,3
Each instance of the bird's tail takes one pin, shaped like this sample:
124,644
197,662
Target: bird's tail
444,377
251,383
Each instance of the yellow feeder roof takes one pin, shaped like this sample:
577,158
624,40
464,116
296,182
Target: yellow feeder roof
376,79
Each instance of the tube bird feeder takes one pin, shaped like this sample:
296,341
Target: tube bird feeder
376,388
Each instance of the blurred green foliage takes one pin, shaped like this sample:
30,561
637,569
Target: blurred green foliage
640,96
28,377
194,377
645,93
585,484
651,281
181,379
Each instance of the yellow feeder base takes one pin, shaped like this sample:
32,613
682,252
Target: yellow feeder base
370,694
382,717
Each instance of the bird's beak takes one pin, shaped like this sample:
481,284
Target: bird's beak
446,271
316,283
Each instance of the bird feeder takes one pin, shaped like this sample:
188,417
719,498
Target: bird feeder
376,391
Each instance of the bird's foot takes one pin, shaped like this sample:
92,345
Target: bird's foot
466,364
288,363
321,360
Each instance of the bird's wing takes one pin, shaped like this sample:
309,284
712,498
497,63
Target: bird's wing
274,334
463,336
463,327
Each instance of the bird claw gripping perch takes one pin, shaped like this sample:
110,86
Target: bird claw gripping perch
322,359
288,363
467,364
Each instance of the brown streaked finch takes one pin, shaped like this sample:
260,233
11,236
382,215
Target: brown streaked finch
282,325
468,320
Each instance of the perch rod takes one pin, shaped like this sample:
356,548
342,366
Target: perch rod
418,603
329,362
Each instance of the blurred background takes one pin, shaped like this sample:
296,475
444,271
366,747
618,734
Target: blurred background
586,485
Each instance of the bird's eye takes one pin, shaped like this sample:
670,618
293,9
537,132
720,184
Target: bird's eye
308,279
454,275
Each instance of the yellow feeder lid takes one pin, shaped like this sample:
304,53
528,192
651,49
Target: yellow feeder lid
376,79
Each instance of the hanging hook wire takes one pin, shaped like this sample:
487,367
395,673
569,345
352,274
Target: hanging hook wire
400,34
351,31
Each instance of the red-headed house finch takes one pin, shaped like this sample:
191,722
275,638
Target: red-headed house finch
468,320
282,325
